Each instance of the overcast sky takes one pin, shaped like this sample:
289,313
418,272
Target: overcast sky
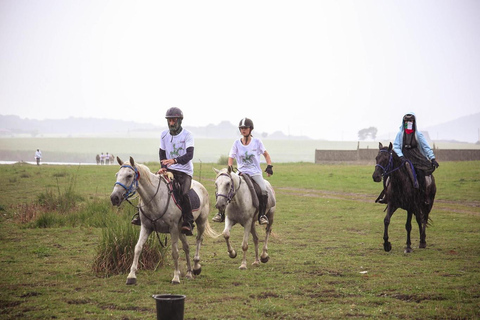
325,69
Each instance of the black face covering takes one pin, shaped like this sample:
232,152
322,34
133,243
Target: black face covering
176,128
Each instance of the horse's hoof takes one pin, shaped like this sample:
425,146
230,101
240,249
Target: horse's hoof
387,246
256,264
175,282
242,267
408,250
197,272
264,259
232,254
423,245
131,281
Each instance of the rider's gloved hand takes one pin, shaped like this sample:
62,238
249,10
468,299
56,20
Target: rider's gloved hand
269,169
435,163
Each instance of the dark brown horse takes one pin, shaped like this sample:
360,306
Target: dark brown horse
402,191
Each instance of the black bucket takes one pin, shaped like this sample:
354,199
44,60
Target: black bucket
169,306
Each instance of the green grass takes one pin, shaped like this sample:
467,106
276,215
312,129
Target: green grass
326,253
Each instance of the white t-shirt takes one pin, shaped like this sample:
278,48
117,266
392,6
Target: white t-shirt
248,157
176,146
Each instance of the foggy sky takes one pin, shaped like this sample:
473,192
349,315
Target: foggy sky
325,69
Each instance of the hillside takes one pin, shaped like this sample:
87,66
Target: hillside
464,129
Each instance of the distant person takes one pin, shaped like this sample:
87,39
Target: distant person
97,158
38,156
246,151
176,155
410,144
102,158
111,158
107,159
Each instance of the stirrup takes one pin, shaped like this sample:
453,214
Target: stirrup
219,217
263,220
136,220
187,229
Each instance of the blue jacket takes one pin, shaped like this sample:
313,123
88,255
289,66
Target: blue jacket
422,142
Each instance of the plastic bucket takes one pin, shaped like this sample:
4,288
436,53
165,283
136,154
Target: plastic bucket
169,306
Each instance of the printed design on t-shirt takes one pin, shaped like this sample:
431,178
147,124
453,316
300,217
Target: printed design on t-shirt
175,152
247,158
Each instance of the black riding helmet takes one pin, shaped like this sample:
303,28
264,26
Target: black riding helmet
246,123
174,112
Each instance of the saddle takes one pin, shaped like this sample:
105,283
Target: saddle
175,188
254,189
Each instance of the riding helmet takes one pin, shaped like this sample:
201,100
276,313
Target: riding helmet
174,112
245,123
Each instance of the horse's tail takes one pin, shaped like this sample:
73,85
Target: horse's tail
210,232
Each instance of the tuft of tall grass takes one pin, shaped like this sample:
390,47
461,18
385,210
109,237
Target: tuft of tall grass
116,250
60,201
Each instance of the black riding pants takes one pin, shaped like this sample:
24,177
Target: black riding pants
184,182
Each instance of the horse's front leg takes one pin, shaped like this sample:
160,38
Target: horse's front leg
144,233
253,230
197,267
246,233
175,235
226,234
408,227
387,246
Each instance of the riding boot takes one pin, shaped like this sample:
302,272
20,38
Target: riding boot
136,220
219,217
262,218
187,225
381,197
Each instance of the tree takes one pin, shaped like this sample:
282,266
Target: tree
368,132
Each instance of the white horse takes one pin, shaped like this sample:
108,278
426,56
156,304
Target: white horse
159,212
233,197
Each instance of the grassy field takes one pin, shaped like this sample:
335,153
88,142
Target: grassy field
326,253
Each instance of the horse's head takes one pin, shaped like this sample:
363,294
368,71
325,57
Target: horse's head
383,161
224,188
127,182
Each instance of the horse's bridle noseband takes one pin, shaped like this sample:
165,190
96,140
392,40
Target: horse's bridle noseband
232,191
132,189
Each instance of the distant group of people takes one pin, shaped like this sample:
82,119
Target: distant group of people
104,158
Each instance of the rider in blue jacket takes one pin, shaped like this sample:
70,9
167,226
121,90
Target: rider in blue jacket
410,144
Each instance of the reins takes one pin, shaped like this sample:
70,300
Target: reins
134,185
390,166
232,191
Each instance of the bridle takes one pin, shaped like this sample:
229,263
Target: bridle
390,166
132,189
231,193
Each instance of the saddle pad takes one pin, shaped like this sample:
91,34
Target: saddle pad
194,199
254,189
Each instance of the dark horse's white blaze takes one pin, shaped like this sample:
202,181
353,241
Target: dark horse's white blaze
400,193
235,199
158,212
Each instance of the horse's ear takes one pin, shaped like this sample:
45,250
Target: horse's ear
120,162
380,145
390,147
132,162
229,169
216,171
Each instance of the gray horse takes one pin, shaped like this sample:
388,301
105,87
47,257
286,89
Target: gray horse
160,212
234,197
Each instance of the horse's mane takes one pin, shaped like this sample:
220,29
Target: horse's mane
144,171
